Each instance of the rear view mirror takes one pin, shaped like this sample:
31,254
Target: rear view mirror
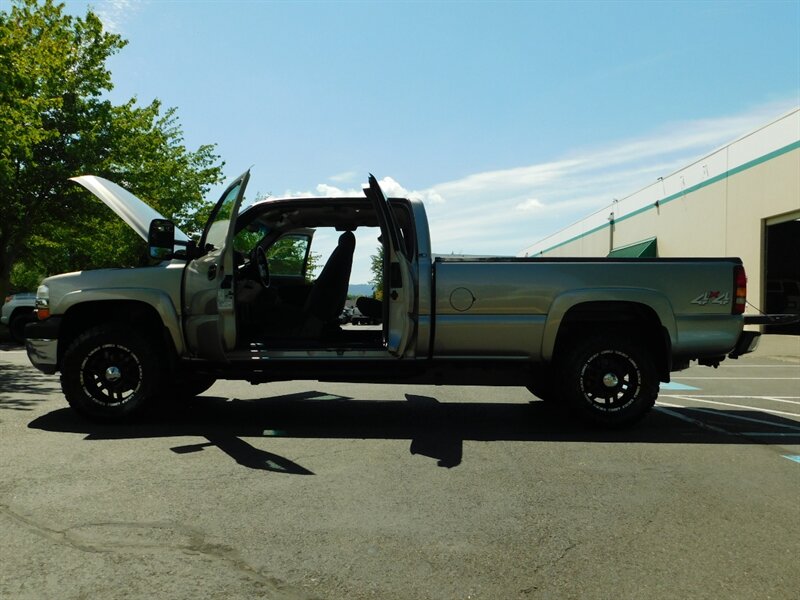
161,238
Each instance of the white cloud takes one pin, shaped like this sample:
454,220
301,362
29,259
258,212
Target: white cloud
114,13
345,177
392,189
430,196
330,191
502,211
531,205
389,186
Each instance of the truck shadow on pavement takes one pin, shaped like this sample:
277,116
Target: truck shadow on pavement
436,430
22,388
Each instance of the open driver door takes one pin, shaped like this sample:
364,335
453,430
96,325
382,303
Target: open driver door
209,280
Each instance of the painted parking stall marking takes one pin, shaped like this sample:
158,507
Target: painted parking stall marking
787,428
762,408
674,386
704,400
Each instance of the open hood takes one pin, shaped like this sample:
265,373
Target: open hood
128,207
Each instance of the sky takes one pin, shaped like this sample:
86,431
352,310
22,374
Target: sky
510,120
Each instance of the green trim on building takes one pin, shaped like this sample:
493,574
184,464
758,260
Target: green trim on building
691,190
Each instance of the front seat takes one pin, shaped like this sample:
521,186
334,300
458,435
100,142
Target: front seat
328,295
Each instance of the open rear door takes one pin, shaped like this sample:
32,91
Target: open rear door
399,290
209,286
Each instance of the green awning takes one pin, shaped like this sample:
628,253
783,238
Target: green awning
644,249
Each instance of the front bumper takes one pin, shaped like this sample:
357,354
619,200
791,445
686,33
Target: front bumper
41,343
747,342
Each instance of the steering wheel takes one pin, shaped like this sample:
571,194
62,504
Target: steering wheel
259,258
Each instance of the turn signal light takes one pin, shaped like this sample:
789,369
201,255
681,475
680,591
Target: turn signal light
740,285
42,302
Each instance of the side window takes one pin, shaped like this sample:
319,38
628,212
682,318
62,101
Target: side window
217,228
246,240
288,256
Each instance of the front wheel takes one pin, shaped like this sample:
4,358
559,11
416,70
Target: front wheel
110,373
608,380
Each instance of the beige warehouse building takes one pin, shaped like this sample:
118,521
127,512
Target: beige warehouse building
741,200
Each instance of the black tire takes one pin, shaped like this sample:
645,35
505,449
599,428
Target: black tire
111,373
16,325
609,380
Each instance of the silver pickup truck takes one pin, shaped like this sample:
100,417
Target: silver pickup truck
594,336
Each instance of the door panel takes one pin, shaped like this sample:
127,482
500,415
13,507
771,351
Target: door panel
209,286
399,285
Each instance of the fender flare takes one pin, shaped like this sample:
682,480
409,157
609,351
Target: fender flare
562,304
158,300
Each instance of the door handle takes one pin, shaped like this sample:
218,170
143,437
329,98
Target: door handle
212,272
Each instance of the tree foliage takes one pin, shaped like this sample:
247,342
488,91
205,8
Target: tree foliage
376,268
288,257
55,123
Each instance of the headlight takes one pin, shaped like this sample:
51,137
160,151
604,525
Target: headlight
43,302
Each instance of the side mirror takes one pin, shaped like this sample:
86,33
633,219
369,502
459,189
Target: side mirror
161,239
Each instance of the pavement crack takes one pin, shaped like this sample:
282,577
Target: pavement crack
119,537
555,560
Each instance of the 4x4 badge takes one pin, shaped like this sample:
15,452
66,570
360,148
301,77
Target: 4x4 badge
712,298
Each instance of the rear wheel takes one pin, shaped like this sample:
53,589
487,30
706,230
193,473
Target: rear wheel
609,380
111,373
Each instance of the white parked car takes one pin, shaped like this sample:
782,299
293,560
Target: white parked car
17,312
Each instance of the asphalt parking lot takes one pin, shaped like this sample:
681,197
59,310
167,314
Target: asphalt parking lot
307,490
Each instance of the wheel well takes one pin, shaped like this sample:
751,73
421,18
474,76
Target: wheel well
630,318
140,316
22,310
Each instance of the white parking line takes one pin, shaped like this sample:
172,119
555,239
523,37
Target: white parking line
781,399
749,378
756,408
738,417
793,366
677,415
785,399
770,434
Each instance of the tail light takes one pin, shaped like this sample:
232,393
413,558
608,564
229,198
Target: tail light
740,287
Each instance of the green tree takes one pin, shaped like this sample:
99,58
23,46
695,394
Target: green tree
55,124
376,267
287,257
